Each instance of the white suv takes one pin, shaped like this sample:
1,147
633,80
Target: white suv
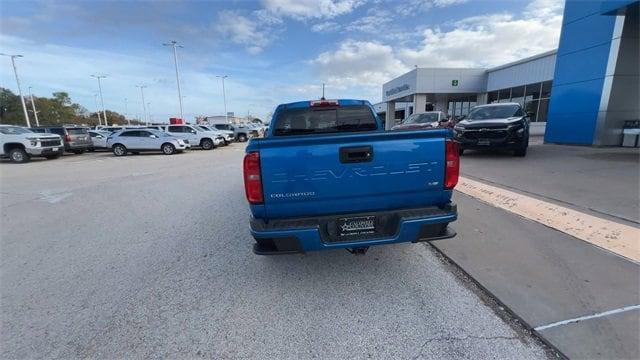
195,136
20,144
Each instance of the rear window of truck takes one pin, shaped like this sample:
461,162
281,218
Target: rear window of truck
324,120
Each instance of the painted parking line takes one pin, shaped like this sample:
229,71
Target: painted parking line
621,239
588,317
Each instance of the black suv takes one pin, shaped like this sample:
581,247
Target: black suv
76,139
494,126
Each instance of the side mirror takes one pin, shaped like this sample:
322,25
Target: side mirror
153,136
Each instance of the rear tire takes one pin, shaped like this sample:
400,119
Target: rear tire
207,144
119,150
19,156
168,149
242,137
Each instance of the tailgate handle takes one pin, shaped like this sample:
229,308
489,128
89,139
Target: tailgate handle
356,154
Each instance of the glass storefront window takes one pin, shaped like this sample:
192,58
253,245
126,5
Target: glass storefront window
505,95
546,89
532,107
517,95
543,109
532,92
493,97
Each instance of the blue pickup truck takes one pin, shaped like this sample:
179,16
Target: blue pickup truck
327,176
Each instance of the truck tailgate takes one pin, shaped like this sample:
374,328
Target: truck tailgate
352,173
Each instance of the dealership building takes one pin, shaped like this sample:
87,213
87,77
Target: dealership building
585,92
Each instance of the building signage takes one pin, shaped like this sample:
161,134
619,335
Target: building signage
397,89
454,82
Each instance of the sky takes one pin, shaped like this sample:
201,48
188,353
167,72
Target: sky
273,51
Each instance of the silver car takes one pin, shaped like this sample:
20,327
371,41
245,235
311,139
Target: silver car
99,139
135,141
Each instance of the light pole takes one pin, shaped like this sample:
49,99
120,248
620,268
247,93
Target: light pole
95,98
224,97
144,106
104,112
15,72
126,112
149,109
33,105
175,45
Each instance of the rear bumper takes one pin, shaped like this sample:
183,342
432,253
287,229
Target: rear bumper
286,236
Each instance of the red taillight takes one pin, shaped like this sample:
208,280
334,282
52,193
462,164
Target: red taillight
67,138
252,179
452,164
323,103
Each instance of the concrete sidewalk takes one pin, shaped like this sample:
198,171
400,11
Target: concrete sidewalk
603,181
545,276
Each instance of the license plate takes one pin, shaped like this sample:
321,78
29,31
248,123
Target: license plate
484,142
54,149
361,225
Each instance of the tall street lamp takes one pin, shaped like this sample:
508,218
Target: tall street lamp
144,105
149,109
15,72
95,98
33,105
224,97
104,112
126,111
175,45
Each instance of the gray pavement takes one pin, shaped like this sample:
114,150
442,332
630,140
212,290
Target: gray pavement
603,181
545,276
150,256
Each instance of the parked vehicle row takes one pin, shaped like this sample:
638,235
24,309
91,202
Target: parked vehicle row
19,144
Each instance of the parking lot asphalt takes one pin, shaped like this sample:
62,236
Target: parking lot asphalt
150,256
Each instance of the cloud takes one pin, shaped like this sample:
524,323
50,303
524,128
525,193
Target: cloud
310,9
416,7
373,23
483,41
358,67
327,26
478,41
267,18
243,31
